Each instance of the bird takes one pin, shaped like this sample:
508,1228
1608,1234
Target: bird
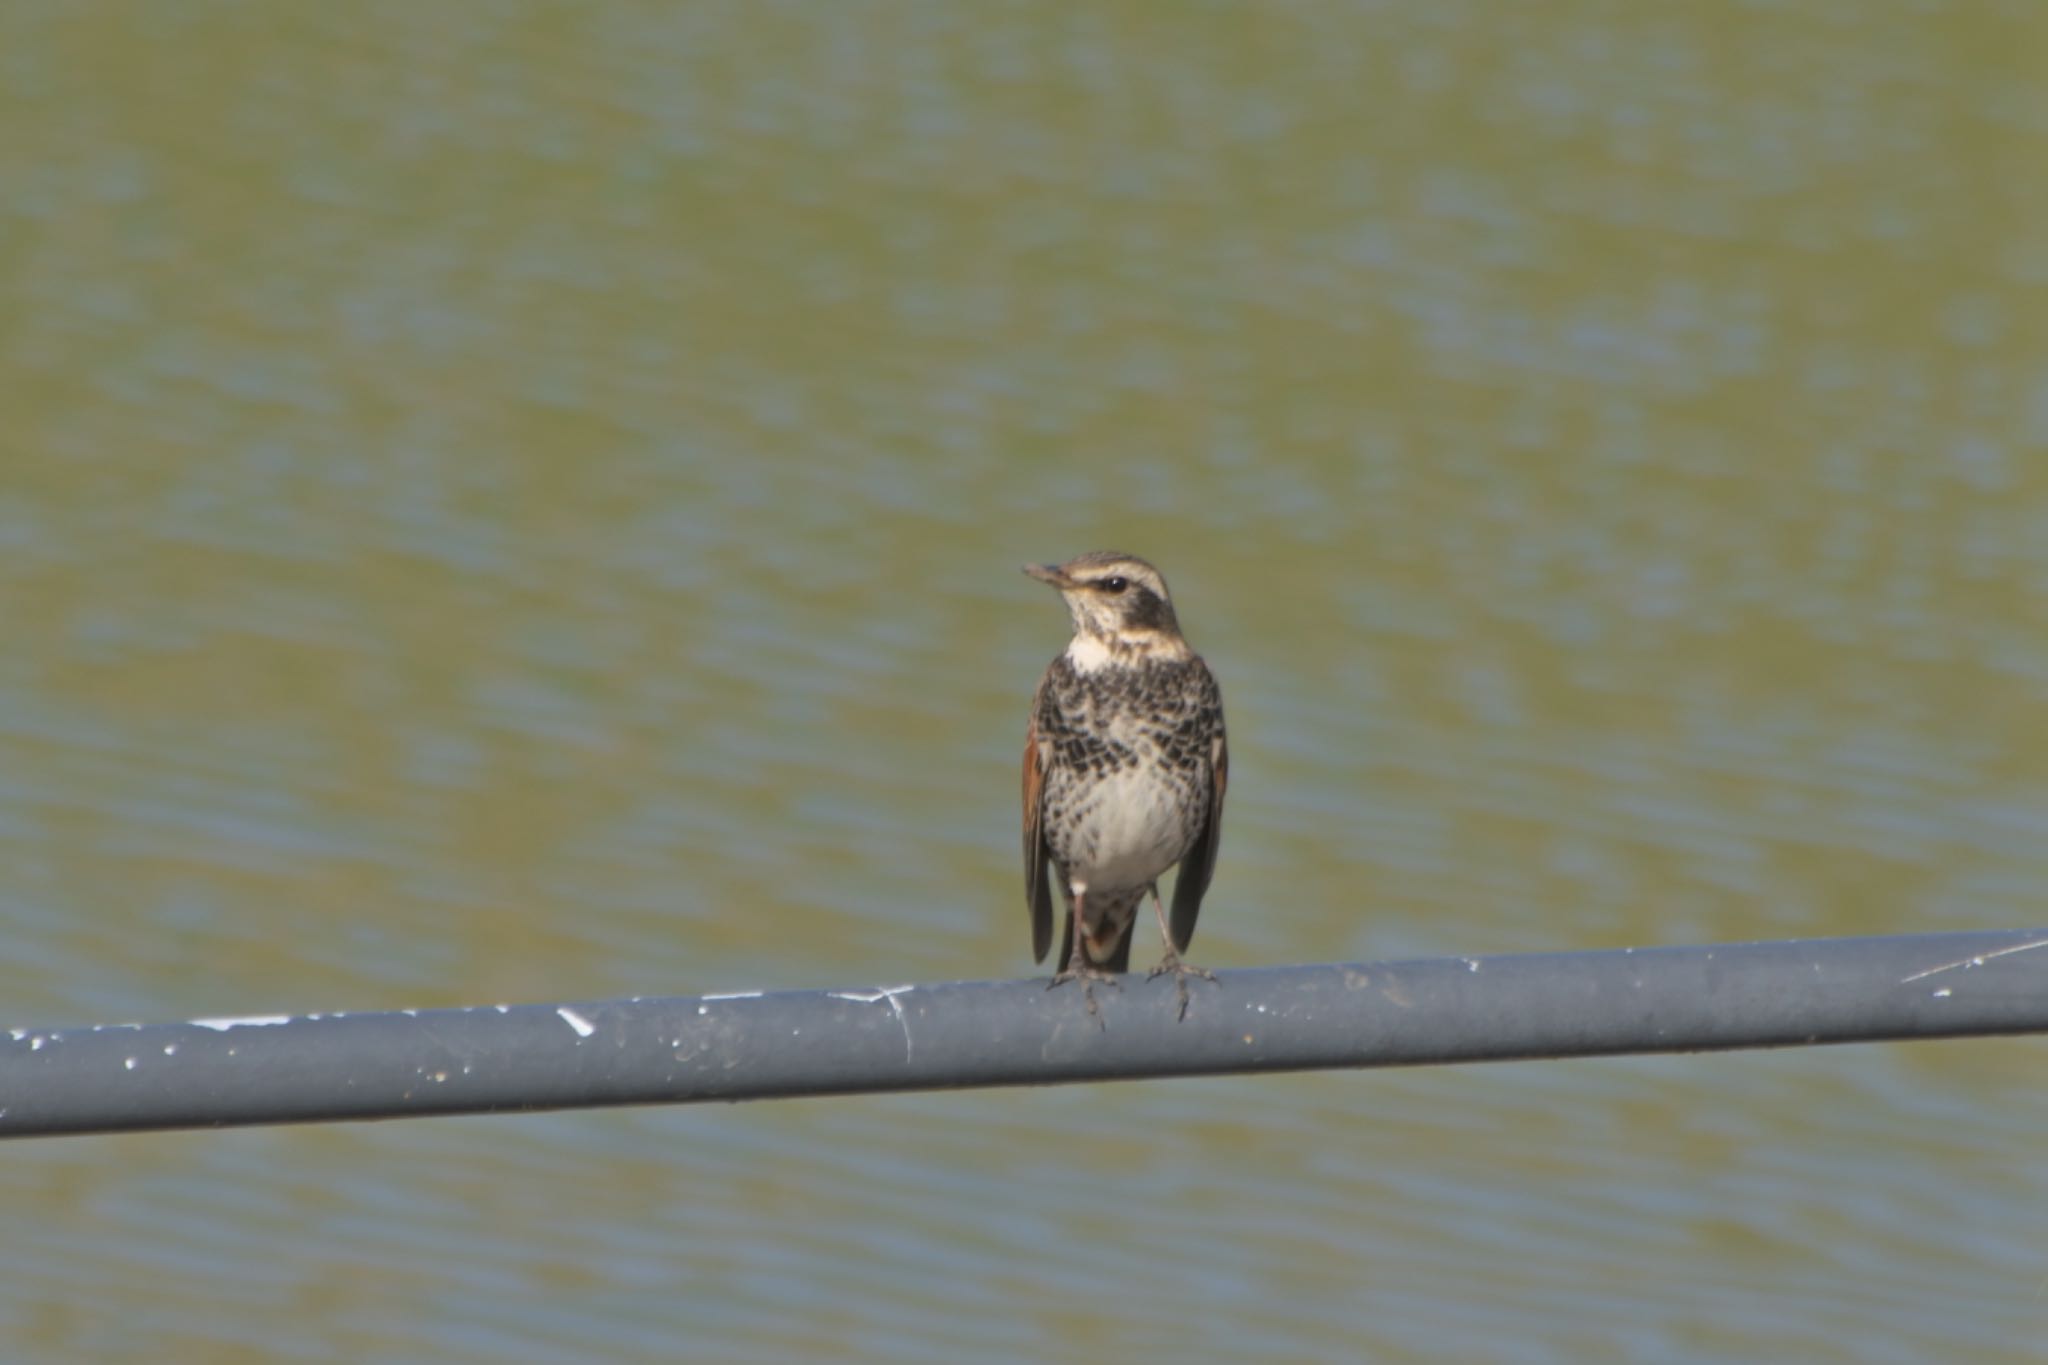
1125,767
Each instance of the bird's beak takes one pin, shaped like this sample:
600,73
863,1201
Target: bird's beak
1049,573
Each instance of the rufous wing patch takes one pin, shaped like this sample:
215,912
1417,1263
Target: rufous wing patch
1200,863
1037,882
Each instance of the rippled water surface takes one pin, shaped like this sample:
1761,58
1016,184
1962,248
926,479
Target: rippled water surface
510,503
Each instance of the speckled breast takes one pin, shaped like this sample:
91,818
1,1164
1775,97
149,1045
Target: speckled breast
1128,784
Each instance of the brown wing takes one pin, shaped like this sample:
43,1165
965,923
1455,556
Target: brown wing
1037,882
1200,863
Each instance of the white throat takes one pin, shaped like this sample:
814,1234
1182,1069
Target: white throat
1087,653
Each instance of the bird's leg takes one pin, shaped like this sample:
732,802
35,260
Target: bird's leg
1171,961
1079,968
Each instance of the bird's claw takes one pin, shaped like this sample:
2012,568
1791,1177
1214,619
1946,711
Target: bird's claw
1087,975
1181,972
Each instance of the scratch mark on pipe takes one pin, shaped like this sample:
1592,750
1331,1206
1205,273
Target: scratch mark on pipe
1975,960
249,1021
888,993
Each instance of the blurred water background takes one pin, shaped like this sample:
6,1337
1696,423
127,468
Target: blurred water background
516,502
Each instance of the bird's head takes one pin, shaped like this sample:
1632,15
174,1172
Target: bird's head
1120,608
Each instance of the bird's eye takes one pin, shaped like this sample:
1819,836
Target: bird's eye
1113,584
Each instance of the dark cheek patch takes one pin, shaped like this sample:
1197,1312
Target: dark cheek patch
1144,610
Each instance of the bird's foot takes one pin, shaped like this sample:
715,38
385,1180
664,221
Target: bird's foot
1181,972
1087,973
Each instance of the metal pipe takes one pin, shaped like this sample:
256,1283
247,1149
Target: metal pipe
516,1058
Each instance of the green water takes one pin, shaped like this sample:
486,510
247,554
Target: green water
521,503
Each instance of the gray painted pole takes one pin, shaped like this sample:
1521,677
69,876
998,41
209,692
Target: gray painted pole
509,1058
